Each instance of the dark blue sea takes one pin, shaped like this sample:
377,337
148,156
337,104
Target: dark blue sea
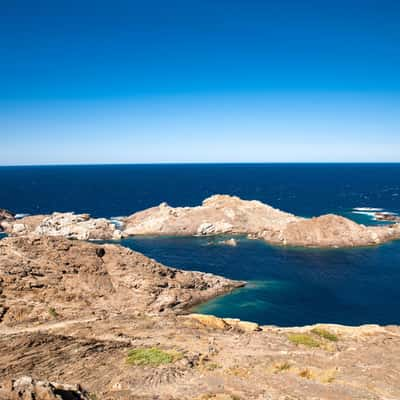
287,286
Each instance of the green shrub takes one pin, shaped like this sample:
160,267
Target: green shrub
304,339
151,356
325,334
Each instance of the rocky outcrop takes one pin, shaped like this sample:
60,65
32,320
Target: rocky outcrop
68,225
27,388
219,214
230,215
6,218
47,277
330,231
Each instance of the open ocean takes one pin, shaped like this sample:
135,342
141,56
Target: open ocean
287,286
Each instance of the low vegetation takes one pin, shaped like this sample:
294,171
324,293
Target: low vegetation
52,311
282,367
305,373
303,339
152,357
325,334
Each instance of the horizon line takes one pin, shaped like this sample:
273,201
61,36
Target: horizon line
196,163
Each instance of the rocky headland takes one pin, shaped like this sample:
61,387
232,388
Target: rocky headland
89,321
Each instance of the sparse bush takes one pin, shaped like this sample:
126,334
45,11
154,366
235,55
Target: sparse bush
305,373
282,367
304,339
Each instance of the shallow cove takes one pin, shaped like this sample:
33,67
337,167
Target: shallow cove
290,286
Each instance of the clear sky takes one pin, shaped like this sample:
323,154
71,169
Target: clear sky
199,81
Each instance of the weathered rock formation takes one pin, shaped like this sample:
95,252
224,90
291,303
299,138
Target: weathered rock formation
386,216
26,388
6,218
68,225
218,214
44,277
330,231
215,359
231,215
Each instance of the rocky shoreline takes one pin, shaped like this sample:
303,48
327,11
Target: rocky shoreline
218,215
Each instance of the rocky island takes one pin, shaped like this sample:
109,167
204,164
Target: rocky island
218,215
222,214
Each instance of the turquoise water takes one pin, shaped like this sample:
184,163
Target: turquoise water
291,286
287,286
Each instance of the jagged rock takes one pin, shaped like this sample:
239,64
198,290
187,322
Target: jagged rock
214,322
27,388
210,321
45,277
221,214
6,218
330,231
68,225
218,214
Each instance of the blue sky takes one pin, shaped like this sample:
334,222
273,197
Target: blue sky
199,81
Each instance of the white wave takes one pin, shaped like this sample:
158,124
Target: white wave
367,209
19,216
117,222
369,213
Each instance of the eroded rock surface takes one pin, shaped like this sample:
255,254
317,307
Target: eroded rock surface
45,278
222,214
68,225
218,214
72,312
27,388
330,231
216,360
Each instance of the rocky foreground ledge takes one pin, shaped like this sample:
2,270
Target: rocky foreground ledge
218,215
89,321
